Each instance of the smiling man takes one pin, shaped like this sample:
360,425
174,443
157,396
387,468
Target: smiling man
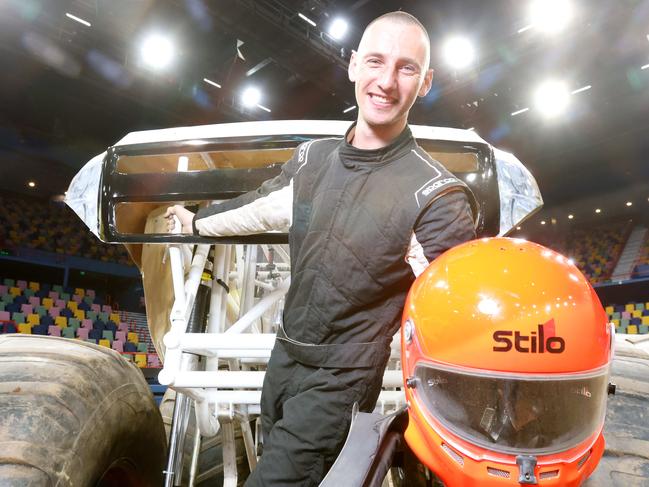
366,214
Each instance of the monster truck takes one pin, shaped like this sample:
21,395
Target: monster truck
213,305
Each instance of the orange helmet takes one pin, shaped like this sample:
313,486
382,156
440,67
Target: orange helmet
505,353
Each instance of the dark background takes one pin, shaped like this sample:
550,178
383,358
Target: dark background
68,91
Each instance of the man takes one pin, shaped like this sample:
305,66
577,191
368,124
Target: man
367,213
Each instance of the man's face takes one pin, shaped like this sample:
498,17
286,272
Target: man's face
389,70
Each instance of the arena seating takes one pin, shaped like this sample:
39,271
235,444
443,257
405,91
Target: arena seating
641,269
631,318
596,250
52,227
44,309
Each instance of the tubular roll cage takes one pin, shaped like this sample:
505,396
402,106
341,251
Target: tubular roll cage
223,397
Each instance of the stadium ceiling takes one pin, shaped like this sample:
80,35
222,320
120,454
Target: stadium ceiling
69,89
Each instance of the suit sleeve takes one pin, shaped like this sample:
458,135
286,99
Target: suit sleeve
268,208
447,222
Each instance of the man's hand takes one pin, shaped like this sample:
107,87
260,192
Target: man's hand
184,216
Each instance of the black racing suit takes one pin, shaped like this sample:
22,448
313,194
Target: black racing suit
363,224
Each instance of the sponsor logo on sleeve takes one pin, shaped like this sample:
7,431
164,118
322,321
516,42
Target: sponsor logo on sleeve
431,187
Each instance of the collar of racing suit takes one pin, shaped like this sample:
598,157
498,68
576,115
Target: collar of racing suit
352,156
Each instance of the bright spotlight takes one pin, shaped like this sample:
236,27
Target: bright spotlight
338,29
552,98
551,16
157,51
251,97
458,52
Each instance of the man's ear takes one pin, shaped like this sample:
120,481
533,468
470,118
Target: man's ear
353,66
428,82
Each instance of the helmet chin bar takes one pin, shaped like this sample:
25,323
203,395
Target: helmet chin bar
526,465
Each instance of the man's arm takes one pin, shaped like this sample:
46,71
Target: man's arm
268,208
445,223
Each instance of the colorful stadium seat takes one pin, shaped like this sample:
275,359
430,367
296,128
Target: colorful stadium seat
61,321
54,331
133,337
82,333
39,330
118,345
25,328
104,343
95,334
33,319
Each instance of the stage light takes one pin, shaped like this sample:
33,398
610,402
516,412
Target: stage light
550,16
349,109
157,51
551,98
251,97
31,184
338,29
629,203
542,222
518,112
78,19
458,52
581,90
570,217
306,19
598,210
213,83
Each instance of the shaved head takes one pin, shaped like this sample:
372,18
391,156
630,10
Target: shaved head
390,71
400,18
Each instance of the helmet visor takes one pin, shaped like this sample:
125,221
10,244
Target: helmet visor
515,414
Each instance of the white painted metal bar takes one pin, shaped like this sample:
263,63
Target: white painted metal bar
205,411
259,309
252,398
225,379
227,341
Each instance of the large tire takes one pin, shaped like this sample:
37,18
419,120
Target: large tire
210,459
75,414
626,459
